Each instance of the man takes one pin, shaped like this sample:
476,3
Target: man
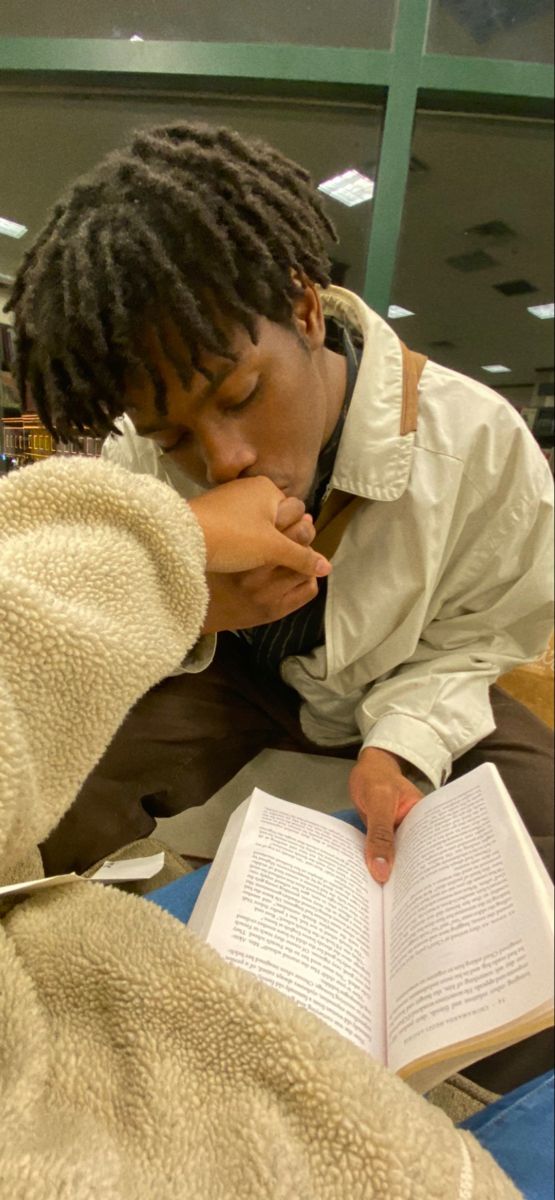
179,288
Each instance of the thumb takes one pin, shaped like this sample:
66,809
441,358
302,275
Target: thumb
380,840
301,559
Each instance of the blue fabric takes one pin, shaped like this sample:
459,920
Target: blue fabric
518,1132
179,898
351,817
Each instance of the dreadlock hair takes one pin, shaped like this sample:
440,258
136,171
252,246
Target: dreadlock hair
187,220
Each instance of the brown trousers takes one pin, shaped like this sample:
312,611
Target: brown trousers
191,734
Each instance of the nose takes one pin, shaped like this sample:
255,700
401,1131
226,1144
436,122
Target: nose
226,455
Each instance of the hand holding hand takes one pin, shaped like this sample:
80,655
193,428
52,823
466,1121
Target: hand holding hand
383,796
249,523
260,565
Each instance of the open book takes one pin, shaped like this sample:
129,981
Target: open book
451,960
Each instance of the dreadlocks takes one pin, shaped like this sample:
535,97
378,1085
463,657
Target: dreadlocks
186,218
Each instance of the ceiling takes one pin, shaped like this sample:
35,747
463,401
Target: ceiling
479,172
467,171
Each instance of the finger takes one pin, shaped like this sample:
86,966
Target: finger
302,532
298,558
380,840
290,510
298,596
278,579
274,610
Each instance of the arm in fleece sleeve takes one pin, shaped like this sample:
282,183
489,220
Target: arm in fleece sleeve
493,610
102,593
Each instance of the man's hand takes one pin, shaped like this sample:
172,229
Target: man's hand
383,796
255,597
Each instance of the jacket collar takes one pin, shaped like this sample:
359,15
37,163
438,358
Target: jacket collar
373,460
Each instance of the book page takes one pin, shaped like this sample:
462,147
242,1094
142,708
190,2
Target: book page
298,909
468,919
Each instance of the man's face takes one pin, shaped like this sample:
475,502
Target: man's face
267,413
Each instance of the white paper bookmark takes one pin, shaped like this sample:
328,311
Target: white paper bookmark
123,871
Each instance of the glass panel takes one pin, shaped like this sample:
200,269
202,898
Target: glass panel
47,140
476,252
367,23
511,29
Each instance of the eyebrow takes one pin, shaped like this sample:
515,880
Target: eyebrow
212,385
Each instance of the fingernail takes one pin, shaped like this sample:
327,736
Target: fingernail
323,567
380,869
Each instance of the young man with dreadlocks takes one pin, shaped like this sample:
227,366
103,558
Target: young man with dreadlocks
178,301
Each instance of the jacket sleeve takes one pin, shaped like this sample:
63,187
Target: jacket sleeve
492,611
102,593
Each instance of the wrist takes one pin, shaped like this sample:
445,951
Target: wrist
383,758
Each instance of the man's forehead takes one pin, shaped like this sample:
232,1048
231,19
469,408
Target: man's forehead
212,373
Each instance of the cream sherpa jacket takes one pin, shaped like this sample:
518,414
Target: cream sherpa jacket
134,1063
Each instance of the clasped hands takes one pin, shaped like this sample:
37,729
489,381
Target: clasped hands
260,567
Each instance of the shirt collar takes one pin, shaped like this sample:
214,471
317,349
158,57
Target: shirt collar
372,460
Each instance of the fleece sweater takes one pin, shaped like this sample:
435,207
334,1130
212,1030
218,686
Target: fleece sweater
134,1063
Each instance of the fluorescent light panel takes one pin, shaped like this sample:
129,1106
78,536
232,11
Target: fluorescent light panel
11,228
497,369
395,311
349,188
545,312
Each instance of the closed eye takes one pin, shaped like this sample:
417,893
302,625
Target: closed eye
231,410
237,408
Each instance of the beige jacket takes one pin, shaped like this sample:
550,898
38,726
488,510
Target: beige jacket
134,1063
442,581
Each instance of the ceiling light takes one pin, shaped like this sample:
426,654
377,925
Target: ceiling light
497,369
545,312
350,188
11,228
395,311
136,38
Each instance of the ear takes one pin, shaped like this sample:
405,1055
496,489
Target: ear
308,316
